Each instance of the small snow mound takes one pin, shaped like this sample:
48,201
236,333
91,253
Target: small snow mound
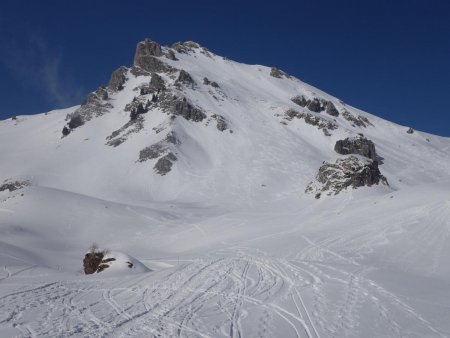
123,264
114,262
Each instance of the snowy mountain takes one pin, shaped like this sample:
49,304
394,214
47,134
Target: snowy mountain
252,203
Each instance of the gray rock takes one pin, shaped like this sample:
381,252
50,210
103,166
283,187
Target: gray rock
185,47
315,105
300,100
357,145
65,131
154,151
185,78
180,48
359,120
94,105
410,131
314,120
330,109
157,82
138,71
188,111
147,48
14,185
75,122
164,164
172,138
275,72
118,79
171,55
207,82
346,172
152,64
120,135
139,109
221,123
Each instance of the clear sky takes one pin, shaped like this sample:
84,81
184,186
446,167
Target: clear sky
390,58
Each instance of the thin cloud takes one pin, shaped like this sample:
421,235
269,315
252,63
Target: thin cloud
36,66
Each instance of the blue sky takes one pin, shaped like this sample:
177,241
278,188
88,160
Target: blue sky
390,58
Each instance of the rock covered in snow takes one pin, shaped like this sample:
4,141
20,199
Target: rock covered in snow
118,79
96,261
356,145
352,171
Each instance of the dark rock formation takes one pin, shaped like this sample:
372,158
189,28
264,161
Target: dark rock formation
157,82
212,84
92,261
118,79
278,73
300,100
120,135
154,151
164,164
359,121
184,78
179,106
138,71
188,111
147,48
330,109
314,120
65,131
139,109
95,261
410,131
152,64
346,172
146,57
357,145
171,55
94,105
221,123
158,149
75,122
315,105
14,185
180,47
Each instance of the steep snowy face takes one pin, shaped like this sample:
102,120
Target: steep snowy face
185,124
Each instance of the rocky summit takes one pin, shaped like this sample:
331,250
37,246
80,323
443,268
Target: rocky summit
229,200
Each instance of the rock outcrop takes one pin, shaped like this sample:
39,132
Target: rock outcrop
185,78
351,171
14,185
316,105
357,145
330,109
321,123
356,121
94,105
147,57
278,73
410,131
118,79
180,106
164,164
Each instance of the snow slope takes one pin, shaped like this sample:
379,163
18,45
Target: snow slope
233,244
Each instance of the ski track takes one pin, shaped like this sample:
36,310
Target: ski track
212,296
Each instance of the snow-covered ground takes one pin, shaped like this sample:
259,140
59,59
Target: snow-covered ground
233,245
